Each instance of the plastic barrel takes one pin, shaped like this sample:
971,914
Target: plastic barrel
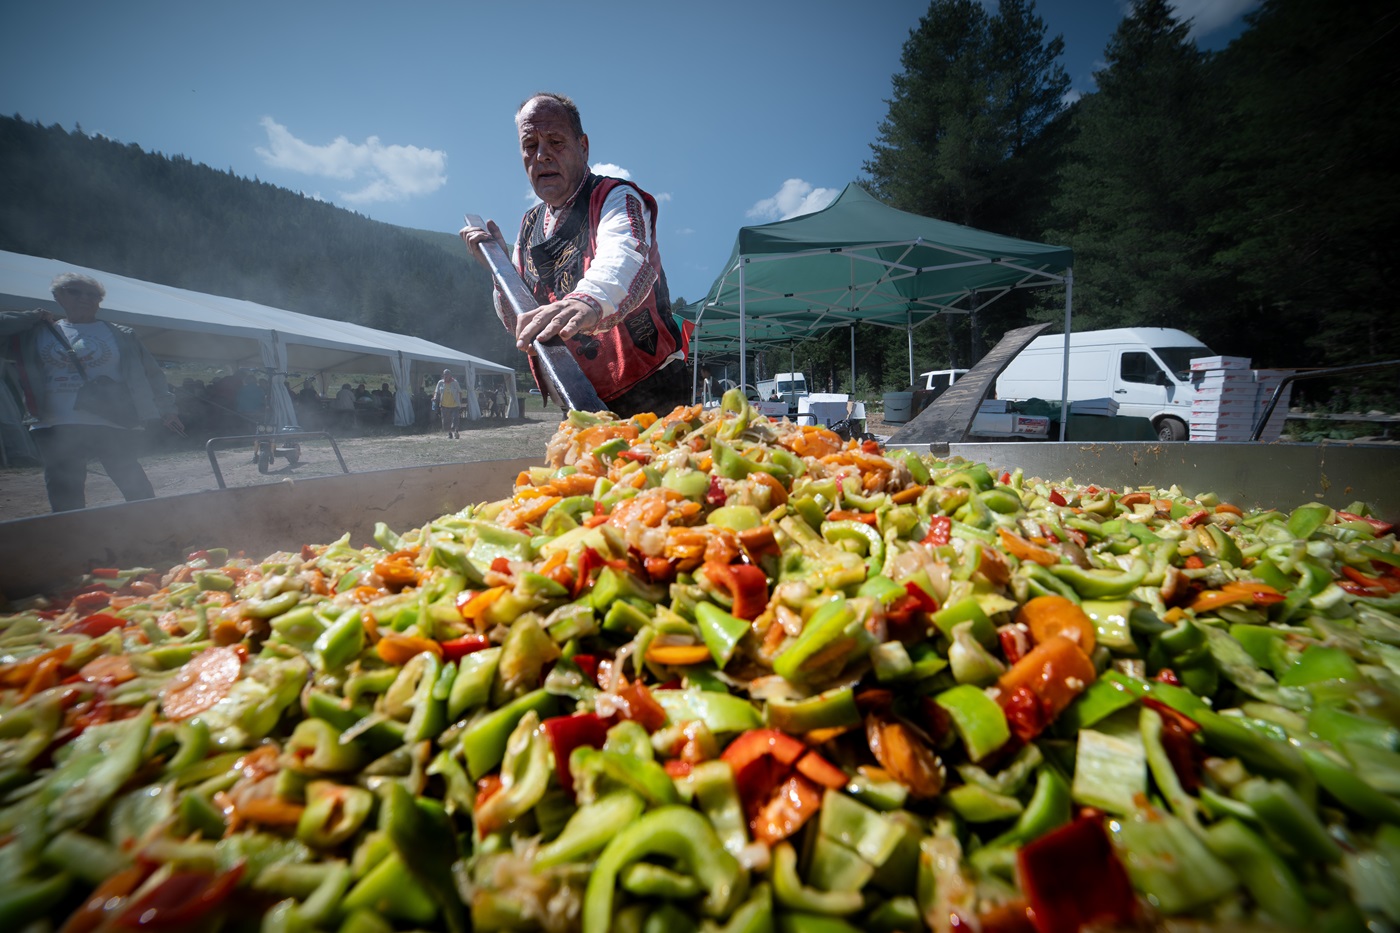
898,406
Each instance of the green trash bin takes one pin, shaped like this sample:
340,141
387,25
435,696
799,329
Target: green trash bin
898,407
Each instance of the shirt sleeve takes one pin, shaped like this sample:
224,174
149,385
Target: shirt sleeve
619,276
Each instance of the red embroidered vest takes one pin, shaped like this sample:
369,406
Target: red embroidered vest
552,266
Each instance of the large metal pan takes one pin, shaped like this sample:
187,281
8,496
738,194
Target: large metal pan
43,552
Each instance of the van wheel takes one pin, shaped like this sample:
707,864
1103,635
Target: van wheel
1171,429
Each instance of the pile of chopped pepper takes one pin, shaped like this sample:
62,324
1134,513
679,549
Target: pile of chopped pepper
708,671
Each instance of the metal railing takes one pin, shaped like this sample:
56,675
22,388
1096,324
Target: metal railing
234,439
1284,383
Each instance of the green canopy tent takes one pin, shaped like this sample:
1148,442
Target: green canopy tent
860,261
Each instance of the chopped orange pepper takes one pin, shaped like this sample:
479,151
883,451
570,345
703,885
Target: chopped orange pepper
20,673
1026,551
1048,616
677,654
270,811
1236,591
397,648
1055,671
1227,507
907,495
474,607
574,484
777,492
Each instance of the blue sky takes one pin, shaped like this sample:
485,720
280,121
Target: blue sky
730,113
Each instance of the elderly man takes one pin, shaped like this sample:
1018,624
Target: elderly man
589,255
57,356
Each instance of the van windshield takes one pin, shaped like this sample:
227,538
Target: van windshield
800,387
1178,359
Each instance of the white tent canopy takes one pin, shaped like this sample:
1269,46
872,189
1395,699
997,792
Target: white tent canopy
177,324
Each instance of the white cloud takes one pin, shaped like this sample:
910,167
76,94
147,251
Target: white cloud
614,171
795,197
383,173
1207,16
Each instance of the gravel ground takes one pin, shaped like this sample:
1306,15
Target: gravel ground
185,467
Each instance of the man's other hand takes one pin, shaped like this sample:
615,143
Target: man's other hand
473,237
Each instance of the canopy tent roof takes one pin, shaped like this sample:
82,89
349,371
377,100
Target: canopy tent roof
177,324
861,261
181,325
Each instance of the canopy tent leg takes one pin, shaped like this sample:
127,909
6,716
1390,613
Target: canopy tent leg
909,332
853,360
694,365
1064,375
743,336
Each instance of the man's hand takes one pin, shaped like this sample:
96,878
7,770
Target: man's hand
559,318
473,237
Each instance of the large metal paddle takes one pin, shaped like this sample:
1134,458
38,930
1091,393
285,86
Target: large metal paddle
566,380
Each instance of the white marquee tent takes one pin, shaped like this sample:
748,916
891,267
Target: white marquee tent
181,325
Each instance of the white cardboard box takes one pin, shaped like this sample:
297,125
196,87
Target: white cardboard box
1220,362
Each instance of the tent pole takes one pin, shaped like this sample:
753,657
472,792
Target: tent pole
1064,376
853,360
743,337
694,365
909,331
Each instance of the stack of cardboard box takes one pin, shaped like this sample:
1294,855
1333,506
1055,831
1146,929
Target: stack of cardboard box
1229,397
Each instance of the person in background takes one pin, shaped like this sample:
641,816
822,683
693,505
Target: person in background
344,405
448,398
589,255
68,437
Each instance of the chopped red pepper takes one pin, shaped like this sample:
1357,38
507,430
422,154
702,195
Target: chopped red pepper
1382,528
181,901
454,649
746,584
500,565
715,495
1024,713
1194,562
1195,518
85,603
1056,498
940,529
677,768
639,456
1014,641
567,733
95,625
1168,676
588,664
764,762
1387,584
105,573
790,806
1073,878
637,704
1005,478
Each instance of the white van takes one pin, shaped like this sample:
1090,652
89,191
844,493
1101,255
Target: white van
786,387
1146,370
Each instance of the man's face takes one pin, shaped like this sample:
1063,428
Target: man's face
79,301
555,159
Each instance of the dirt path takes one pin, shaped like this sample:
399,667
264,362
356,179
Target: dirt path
187,469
